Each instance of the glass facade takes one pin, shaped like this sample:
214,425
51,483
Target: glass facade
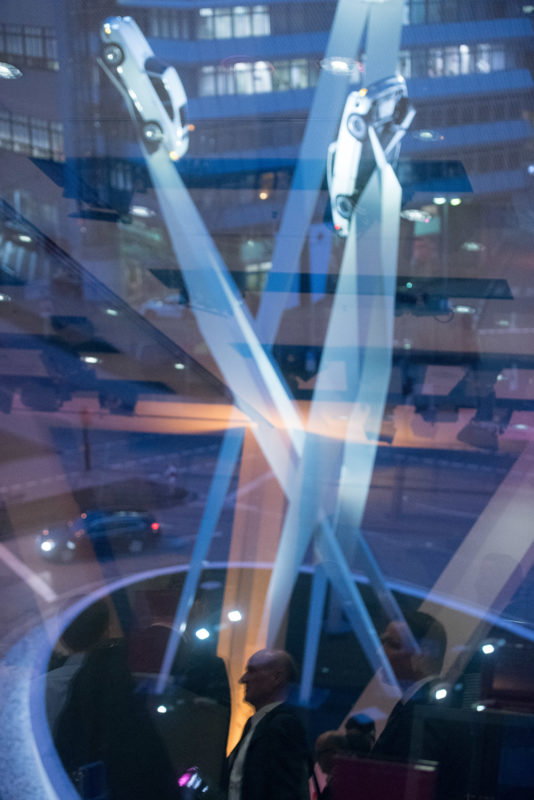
267,385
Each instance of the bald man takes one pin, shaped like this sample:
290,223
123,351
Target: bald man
271,761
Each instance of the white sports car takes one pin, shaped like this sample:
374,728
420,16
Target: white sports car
350,161
152,88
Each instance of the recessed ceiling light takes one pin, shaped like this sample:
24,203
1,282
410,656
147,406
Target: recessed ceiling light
338,65
416,215
463,309
439,201
142,211
9,72
426,135
179,365
91,359
472,247
455,201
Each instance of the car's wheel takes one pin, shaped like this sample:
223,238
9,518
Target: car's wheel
357,126
400,111
136,546
112,54
344,206
152,132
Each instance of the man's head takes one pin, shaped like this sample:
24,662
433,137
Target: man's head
267,676
412,664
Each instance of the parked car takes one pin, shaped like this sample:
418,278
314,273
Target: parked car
100,533
151,88
350,160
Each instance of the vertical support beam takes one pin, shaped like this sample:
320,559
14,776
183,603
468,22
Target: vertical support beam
228,456
313,633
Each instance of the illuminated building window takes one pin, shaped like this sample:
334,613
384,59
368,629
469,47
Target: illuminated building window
462,59
257,77
233,22
30,45
30,136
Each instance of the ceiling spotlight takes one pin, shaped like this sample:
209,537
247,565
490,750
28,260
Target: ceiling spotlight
456,201
488,648
202,633
472,247
426,135
91,359
416,215
338,65
235,616
463,309
142,211
8,72
179,365
439,201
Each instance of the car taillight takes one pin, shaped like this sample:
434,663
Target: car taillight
155,526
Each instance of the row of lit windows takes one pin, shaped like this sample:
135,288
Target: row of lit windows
256,77
478,109
461,59
31,137
249,135
29,45
236,22
429,11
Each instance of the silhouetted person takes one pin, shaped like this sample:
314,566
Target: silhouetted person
271,761
83,633
417,670
105,736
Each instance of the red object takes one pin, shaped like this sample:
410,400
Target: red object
357,778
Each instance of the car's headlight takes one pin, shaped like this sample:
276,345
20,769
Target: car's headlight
47,545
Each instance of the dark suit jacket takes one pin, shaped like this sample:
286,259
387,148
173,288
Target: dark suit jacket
277,763
444,741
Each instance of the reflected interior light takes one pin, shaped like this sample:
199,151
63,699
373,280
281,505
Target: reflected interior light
202,633
472,247
456,201
112,312
263,195
338,65
191,127
48,545
161,709
426,135
120,70
107,28
409,285
504,323
179,365
4,298
235,615
9,72
481,707
440,694
173,155
91,359
463,309
362,92
23,237
142,211
439,201
205,12
488,648
416,215
520,426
